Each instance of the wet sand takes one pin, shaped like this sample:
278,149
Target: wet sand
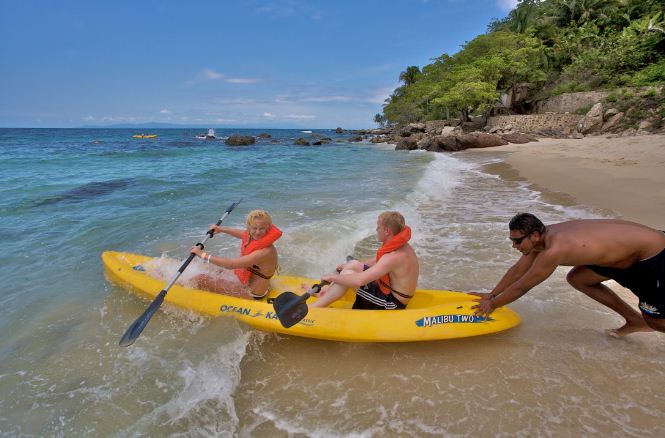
625,176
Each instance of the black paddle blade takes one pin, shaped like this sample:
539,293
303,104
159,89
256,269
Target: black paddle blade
137,327
290,308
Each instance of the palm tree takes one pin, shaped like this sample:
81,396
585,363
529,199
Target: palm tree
410,75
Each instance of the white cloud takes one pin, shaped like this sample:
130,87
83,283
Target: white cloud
212,74
506,5
381,94
242,80
299,117
326,99
209,74
165,111
89,118
269,115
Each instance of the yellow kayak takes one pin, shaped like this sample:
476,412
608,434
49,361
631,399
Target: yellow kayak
144,136
431,314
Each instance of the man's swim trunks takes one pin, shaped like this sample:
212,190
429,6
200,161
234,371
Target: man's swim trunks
646,279
370,297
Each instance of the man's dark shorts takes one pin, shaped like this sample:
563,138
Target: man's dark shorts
646,279
370,297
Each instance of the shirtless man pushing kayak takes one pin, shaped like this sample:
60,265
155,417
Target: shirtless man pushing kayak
627,252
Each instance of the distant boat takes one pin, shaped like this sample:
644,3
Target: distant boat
306,132
209,136
144,136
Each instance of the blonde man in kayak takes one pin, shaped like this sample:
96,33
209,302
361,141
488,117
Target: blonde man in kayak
599,249
255,266
386,282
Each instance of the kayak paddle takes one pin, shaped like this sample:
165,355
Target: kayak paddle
291,308
134,330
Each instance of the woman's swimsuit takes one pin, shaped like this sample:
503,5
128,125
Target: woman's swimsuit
255,270
645,278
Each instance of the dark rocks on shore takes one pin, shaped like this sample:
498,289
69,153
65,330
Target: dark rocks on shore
474,140
355,138
301,142
442,143
407,144
339,131
264,135
240,140
518,138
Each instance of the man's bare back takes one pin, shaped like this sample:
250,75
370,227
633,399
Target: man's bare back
612,243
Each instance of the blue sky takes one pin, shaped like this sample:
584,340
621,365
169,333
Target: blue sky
281,63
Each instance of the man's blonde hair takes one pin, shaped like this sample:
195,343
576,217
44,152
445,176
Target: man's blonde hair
392,220
258,214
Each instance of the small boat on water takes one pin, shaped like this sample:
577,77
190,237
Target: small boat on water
431,314
144,136
209,136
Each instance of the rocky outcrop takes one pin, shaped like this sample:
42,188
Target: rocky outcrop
444,143
240,140
474,140
612,121
264,135
355,139
301,142
518,138
339,131
592,122
408,144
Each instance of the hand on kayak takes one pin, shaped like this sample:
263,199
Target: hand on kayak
480,294
485,305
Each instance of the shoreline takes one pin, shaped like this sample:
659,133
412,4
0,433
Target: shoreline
624,176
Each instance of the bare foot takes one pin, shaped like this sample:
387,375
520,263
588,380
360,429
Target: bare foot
628,328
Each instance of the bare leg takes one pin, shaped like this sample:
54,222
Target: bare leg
336,291
590,283
655,323
222,286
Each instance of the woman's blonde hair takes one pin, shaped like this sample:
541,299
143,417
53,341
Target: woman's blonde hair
258,214
392,220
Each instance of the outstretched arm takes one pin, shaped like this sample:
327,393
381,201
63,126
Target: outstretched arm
246,261
512,275
226,230
542,267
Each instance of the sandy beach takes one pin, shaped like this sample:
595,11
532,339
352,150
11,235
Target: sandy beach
623,175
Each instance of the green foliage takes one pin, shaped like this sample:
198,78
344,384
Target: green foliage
651,74
557,45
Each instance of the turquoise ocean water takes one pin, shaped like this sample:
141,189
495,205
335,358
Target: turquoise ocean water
66,195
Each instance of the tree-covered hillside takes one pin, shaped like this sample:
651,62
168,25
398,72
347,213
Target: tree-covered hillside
542,48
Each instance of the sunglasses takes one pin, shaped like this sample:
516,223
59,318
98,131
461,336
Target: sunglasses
518,240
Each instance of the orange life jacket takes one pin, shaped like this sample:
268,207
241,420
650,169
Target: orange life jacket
249,246
397,241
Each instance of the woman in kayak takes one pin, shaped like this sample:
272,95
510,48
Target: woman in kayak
255,266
